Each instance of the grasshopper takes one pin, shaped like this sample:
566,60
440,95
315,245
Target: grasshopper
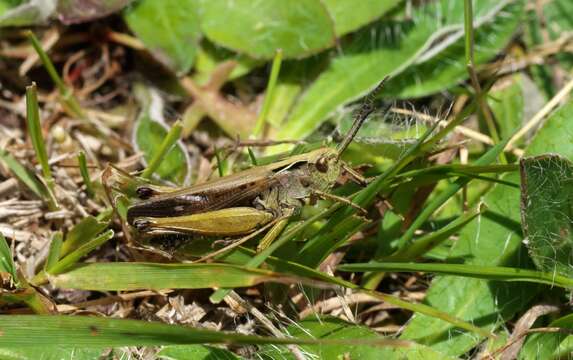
248,202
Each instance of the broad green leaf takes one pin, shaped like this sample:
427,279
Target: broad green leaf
24,175
149,132
385,48
78,11
169,29
508,104
51,353
192,352
210,56
132,276
547,212
259,28
448,66
493,239
348,15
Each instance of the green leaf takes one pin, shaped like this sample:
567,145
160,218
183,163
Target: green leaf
508,104
385,48
448,66
192,352
259,28
493,239
547,211
169,29
150,131
348,16
104,276
24,175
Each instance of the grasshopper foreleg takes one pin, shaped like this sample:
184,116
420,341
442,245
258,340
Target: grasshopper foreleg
325,195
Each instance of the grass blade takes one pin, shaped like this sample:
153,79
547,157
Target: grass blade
84,331
35,132
85,174
498,273
453,188
103,276
170,139
275,69
55,251
66,94
24,175
7,262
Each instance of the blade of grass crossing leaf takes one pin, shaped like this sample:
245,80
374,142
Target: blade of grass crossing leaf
55,251
497,273
453,188
85,174
168,142
35,132
275,69
66,93
302,271
433,239
6,261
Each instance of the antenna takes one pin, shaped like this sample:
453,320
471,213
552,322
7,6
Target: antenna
360,116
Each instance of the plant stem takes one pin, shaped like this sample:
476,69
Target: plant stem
470,64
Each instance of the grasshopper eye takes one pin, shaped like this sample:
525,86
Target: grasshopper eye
322,165
144,192
141,224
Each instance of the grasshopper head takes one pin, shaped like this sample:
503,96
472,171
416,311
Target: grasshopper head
325,169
